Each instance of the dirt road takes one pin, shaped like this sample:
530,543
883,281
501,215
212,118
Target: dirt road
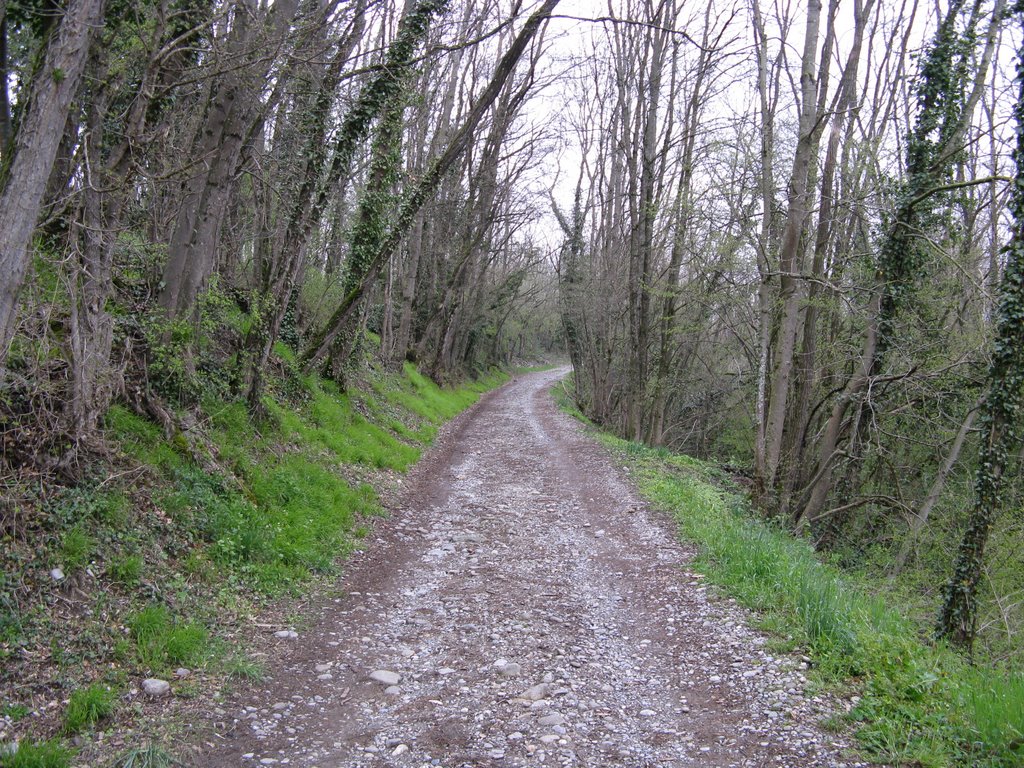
522,607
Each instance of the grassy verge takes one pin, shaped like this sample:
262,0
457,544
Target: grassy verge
159,567
918,704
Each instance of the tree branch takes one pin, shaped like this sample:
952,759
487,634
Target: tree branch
426,187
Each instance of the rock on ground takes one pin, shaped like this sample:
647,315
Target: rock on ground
155,687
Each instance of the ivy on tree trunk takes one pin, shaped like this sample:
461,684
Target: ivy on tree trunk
402,218
1000,416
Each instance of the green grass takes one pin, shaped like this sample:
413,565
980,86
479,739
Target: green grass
143,440
151,756
14,711
162,642
88,706
995,708
76,548
286,513
244,668
38,754
125,569
920,704
112,509
418,395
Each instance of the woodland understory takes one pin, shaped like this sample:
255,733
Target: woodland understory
786,239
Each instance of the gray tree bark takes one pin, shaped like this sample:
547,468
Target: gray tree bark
414,200
882,307
790,253
234,110
26,172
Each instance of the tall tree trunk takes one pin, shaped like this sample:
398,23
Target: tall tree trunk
410,280
23,175
641,240
931,146
570,289
92,328
414,200
764,241
1000,417
806,366
790,252
682,214
235,113
6,129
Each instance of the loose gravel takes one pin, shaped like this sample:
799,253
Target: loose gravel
523,607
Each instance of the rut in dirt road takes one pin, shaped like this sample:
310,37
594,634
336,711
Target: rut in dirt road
532,612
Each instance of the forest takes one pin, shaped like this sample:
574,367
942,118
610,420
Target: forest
783,238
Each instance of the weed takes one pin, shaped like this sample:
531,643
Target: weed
11,619
995,707
142,439
125,569
112,509
76,548
244,668
188,645
122,650
151,622
188,689
151,756
87,707
833,724
88,502
37,754
825,609
199,566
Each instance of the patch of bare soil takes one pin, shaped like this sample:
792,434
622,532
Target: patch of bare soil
530,611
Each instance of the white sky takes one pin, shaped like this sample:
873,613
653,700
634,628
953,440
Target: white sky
566,38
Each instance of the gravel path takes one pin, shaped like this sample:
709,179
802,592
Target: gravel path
522,607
